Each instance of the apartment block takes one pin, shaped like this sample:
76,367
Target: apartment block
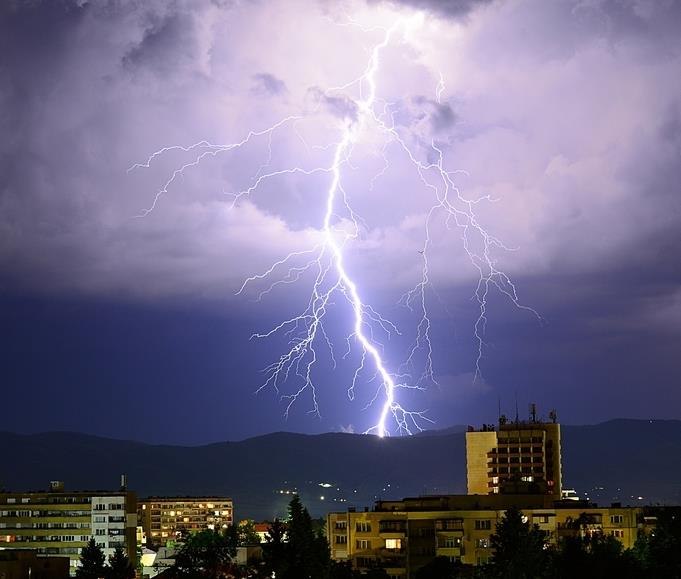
165,518
60,523
402,536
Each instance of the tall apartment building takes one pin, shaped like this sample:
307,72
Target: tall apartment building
60,523
163,518
521,457
404,535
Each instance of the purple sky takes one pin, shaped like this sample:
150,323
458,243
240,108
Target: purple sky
566,114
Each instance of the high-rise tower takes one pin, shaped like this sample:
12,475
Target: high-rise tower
520,457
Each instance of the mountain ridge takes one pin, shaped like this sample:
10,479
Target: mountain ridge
617,460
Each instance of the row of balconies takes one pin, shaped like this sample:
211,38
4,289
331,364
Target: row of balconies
516,450
534,459
42,514
43,532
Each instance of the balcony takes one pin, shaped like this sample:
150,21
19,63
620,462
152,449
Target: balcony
392,528
448,525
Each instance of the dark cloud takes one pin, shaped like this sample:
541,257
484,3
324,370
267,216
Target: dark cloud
266,83
339,105
165,38
447,8
441,115
567,114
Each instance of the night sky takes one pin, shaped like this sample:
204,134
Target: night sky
564,117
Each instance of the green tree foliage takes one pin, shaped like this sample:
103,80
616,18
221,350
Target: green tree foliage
92,562
274,549
342,570
660,552
247,533
443,568
120,566
295,551
519,549
207,554
595,556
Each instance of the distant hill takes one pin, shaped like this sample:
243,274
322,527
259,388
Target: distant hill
618,460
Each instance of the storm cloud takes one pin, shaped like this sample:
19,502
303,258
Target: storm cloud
564,116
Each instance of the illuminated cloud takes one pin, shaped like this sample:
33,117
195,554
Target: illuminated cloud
567,114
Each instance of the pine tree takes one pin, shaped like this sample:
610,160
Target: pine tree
120,566
519,548
309,556
296,551
274,549
92,561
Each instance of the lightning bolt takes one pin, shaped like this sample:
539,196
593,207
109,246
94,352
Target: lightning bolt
326,260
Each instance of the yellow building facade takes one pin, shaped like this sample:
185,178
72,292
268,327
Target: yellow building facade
518,457
60,522
163,518
402,536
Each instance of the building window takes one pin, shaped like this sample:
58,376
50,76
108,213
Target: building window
483,525
393,543
341,524
619,533
616,519
341,539
363,544
482,543
363,527
451,542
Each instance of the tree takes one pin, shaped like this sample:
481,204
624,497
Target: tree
519,548
309,555
120,566
442,568
247,533
659,553
206,554
274,549
92,561
343,570
296,551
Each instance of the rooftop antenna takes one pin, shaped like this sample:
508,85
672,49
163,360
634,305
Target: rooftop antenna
499,408
533,412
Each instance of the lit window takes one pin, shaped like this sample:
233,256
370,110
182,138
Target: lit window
393,543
